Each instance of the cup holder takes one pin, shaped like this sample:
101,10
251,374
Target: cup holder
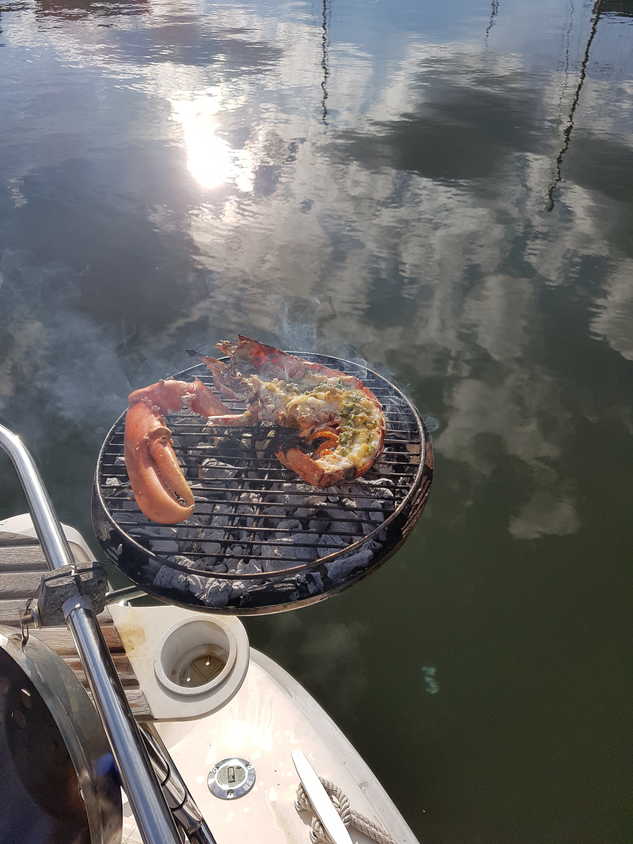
195,657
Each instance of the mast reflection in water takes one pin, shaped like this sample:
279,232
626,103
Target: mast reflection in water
166,179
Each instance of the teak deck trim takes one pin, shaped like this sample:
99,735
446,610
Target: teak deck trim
21,565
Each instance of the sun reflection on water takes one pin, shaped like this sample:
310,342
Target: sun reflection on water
210,159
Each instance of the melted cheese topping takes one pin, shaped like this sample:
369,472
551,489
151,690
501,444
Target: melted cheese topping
316,402
361,428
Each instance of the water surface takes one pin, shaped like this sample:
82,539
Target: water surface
444,190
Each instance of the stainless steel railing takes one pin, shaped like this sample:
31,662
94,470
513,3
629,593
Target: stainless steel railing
152,814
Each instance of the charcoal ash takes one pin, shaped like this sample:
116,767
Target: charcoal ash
342,520
208,591
212,442
302,544
266,444
160,540
320,524
330,542
294,494
301,523
203,509
247,513
215,473
375,483
178,442
277,510
288,551
312,507
360,558
223,514
237,551
127,504
381,488
211,521
227,442
210,548
284,525
253,566
213,592
165,546
232,443
205,532
314,583
370,494
252,593
301,527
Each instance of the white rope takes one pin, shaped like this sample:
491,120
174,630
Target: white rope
349,817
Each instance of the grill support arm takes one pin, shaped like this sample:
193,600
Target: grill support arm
151,812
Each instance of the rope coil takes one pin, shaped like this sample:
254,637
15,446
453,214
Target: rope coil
349,817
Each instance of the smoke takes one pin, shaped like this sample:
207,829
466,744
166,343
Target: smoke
57,365
64,367
298,321
303,326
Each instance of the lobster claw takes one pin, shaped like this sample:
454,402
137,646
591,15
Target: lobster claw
159,486
158,483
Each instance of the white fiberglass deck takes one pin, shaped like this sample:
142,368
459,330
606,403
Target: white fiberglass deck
268,718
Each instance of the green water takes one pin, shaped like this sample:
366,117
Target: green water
445,190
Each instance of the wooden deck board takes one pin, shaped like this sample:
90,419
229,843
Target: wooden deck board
12,540
21,564
21,558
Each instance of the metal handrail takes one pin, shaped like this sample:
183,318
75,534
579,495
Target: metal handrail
146,799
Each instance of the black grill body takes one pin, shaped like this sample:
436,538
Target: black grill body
260,539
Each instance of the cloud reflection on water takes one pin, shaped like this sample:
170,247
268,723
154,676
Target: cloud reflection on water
167,179
418,216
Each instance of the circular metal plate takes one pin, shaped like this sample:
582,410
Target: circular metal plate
231,778
57,784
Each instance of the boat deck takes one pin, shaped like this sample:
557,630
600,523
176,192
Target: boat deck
22,563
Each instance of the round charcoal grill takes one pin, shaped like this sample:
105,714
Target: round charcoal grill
261,539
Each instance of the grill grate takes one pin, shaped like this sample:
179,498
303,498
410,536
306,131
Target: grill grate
253,518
